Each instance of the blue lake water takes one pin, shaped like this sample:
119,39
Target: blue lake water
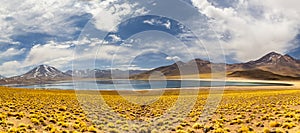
140,84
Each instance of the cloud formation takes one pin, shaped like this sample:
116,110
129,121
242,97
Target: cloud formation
44,16
166,24
56,17
6,68
250,29
109,13
11,52
246,29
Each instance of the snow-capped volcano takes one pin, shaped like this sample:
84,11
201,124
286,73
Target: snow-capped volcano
44,71
40,74
276,58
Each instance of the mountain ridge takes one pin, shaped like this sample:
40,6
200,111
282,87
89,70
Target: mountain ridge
48,74
98,73
259,74
282,66
271,64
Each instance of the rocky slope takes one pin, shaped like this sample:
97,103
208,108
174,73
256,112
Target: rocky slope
271,65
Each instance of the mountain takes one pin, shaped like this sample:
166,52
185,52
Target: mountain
89,73
273,62
260,75
179,68
40,74
44,72
107,74
271,66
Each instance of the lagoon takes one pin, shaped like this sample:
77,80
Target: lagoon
142,84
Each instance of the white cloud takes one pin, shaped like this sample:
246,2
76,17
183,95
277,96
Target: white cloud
50,54
158,22
150,22
167,24
11,52
115,38
53,17
254,34
44,16
60,54
108,14
174,58
10,68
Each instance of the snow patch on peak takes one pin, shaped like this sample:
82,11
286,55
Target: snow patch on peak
44,71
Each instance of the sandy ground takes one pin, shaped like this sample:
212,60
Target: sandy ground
296,84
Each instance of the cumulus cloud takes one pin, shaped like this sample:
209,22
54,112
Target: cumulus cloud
31,16
115,38
51,54
6,68
254,28
109,13
150,22
175,58
166,24
56,17
62,53
11,52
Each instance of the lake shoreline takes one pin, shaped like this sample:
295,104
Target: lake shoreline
265,84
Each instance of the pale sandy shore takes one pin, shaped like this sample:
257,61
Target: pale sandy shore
295,84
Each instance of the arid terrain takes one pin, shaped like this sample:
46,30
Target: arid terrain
242,109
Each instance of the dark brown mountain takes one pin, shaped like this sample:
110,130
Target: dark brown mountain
40,74
273,62
271,65
179,68
260,75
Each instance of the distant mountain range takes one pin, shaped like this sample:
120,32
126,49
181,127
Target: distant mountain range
105,74
47,74
272,66
284,65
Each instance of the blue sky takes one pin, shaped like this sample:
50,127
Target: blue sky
142,34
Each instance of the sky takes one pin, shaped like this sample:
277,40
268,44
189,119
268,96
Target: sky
142,34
